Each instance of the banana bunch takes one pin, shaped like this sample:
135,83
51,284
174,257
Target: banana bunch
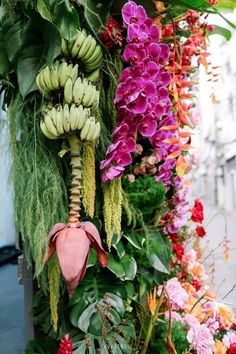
54,77
81,92
63,120
85,49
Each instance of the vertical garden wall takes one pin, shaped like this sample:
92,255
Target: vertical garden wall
101,111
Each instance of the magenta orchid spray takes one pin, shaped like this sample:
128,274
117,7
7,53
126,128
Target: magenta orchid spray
142,98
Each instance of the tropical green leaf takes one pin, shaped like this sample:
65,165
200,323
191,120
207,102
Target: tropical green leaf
135,239
224,32
13,37
62,14
97,14
130,267
159,253
116,267
40,45
43,346
5,66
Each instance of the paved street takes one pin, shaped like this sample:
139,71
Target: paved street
221,223
12,311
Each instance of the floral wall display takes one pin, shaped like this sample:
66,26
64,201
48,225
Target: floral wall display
101,112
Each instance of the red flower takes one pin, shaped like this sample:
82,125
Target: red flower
233,326
178,248
195,283
112,34
197,212
65,346
182,275
232,349
200,231
174,238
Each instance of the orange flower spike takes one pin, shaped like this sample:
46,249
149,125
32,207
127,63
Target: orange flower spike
171,141
173,155
170,127
152,301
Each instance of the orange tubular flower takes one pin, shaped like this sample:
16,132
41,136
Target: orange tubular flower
152,301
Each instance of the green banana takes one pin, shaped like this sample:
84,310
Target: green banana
74,73
55,76
96,54
47,78
62,73
91,131
81,116
84,47
66,118
78,43
73,113
78,91
90,51
85,129
49,124
68,91
64,47
45,130
94,75
59,120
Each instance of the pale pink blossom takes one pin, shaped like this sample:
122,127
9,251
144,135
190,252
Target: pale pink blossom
201,339
175,316
191,320
176,294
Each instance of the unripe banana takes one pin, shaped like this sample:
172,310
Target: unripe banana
93,65
69,69
96,54
53,115
78,91
49,124
47,78
85,129
88,94
96,131
60,122
54,75
45,130
74,73
62,73
96,101
94,75
78,43
73,114
93,97
82,115
91,131
90,50
41,85
66,118
84,47
64,47
68,91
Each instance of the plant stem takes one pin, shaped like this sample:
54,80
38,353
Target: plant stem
151,326
76,180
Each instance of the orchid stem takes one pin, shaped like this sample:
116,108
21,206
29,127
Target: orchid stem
152,323
76,179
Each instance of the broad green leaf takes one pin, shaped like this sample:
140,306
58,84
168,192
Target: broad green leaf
85,317
221,31
136,239
13,39
130,267
40,45
157,264
97,14
62,14
77,310
5,66
120,249
159,255
116,267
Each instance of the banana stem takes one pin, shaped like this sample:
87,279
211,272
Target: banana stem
76,179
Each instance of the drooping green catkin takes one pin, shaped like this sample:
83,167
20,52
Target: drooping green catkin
89,181
54,278
40,194
117,204
112,209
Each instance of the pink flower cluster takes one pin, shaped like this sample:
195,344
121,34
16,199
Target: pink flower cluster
142,98
176,294
201,339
